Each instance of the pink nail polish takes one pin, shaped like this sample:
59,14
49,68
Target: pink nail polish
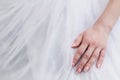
99,65
79,70
86,69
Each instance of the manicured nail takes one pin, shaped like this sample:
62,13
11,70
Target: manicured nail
86,69
73,44
79,70
99,65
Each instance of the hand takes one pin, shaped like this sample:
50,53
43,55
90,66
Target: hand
91,47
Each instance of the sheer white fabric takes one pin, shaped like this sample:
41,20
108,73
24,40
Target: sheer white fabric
36,38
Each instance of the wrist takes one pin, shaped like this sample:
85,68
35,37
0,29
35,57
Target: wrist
104,25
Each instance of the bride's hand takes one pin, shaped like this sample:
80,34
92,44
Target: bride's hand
91,44
91,47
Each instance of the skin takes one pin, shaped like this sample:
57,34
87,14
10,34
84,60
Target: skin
91,44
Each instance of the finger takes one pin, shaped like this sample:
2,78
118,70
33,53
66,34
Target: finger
101,58
77,41
85,58
92,59
79,53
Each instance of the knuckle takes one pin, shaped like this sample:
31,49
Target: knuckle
98,50
86,56
86,41
94,43
91,62
95,55
75,59
81,64
79,51
102,55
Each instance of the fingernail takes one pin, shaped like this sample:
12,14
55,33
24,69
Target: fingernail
99,65
79,70
86,69
73,44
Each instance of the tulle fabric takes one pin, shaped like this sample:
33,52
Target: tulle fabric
36,38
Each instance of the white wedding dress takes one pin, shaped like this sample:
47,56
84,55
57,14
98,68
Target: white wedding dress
36,38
